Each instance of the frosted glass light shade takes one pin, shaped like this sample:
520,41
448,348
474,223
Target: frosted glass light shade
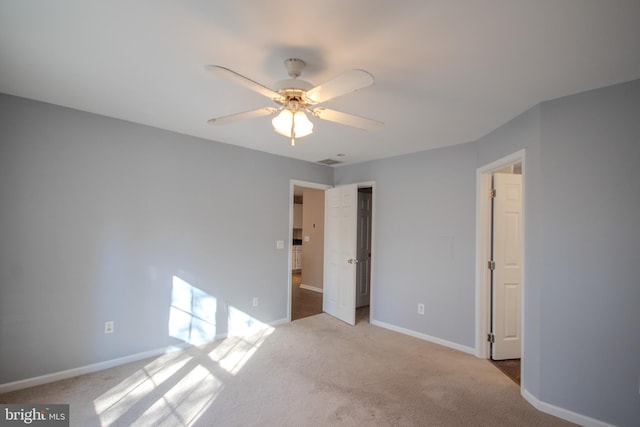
282,123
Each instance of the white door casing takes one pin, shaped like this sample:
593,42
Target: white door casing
507,274
340,252
363,268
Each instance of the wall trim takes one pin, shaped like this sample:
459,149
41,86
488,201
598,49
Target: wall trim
545,407
424,337
279,322
87,369
311,288
100,366
565,414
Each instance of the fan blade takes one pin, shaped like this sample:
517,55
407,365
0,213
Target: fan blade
242,80
346,119
259,112
347,82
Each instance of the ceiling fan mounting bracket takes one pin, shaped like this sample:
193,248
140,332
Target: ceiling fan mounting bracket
294,67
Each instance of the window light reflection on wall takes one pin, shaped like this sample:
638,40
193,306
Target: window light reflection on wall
192,315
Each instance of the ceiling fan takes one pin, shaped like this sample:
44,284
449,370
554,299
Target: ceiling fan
295,96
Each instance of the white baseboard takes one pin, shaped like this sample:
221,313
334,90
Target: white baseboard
424,337
95,367
279,322
548,408
565,414
311,288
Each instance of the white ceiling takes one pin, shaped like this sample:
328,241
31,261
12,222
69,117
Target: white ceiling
446,71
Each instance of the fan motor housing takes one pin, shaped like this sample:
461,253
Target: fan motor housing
292,84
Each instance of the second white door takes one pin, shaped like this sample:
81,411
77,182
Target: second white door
507,273
340,252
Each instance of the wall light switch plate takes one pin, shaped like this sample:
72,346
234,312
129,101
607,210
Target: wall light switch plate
108,327
280,244
306,238
421,309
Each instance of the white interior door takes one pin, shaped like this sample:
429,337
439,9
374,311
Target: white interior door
363,268
507,274
340,253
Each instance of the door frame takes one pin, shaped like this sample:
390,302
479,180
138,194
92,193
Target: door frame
296,183
483,253
316,185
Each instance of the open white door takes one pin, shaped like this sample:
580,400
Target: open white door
340,260
507,273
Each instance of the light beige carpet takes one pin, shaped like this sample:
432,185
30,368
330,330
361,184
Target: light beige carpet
315,371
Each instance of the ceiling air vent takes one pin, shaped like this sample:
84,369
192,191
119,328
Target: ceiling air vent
329,162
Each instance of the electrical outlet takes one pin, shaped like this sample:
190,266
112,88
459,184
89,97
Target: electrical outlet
108,327
255,301
421,309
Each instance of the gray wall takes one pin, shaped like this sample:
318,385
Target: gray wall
424,237
96,220
97,216
582,210
523,133
590,256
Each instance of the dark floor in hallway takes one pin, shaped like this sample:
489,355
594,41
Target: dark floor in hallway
304,302
510,368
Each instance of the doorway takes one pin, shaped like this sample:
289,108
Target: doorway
307,252
499,263
363,271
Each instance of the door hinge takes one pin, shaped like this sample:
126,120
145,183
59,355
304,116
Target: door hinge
491,265
492,193
491,338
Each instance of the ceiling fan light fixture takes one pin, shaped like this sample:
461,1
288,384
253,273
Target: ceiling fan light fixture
292,124
294,96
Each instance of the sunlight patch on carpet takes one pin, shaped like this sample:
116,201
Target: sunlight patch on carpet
246,335
178,387
183,403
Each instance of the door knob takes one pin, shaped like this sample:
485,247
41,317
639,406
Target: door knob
352,261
